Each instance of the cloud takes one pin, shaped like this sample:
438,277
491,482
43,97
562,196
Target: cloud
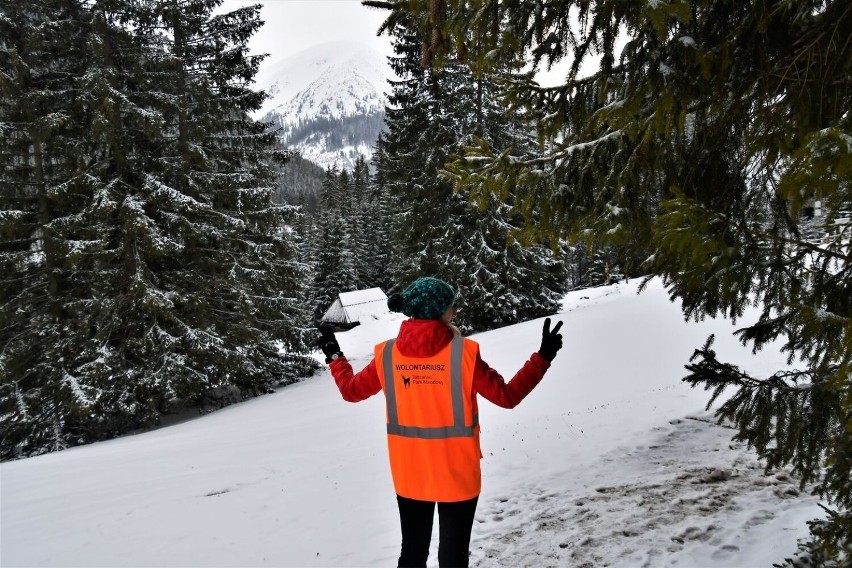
293,25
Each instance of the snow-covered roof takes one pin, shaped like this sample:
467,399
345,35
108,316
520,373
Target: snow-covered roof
353,306
362,296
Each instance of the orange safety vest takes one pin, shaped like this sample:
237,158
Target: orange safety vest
432,421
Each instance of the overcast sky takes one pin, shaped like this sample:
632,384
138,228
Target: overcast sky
294,25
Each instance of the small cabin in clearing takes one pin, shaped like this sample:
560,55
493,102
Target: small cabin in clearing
350,308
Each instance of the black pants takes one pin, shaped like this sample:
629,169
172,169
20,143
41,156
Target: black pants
455,521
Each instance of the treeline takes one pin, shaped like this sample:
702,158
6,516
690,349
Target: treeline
338,133
347,243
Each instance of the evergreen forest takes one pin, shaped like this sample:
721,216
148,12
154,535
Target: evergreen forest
165,253
146,268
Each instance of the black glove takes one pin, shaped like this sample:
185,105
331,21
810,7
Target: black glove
328,343
551,341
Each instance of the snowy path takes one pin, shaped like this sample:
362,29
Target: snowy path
598,466
692,498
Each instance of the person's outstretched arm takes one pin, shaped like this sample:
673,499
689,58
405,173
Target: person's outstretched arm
353,387
491,385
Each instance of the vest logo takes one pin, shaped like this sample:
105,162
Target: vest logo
418,380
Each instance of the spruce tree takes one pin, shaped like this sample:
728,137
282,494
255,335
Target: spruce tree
226,264
436,231
361,222
334,269
172,277
52,208
376,234
703,138
345,213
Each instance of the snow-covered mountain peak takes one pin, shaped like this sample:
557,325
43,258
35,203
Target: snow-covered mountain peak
334,79
327,101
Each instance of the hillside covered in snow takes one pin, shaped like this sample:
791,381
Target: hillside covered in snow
328,101
611,460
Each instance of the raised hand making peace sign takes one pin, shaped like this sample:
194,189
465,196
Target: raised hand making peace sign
551,341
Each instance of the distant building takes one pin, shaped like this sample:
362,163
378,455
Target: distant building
350,308
812,209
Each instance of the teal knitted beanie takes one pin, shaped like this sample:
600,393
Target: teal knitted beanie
425,298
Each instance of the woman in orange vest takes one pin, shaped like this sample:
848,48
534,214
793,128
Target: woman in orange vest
430,376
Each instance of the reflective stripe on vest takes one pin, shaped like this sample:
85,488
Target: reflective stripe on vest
459,429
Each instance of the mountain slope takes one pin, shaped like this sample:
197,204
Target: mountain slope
598,466
328,101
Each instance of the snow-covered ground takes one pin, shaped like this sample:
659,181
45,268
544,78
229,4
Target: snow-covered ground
611,461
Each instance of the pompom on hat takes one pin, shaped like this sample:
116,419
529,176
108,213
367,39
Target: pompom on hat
425,298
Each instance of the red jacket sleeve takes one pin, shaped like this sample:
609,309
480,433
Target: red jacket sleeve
355,387
490,384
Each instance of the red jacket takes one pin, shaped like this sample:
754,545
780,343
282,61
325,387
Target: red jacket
424,338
